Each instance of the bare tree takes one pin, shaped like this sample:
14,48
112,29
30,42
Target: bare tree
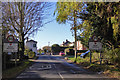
24,18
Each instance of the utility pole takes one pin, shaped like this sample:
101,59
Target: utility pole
48,43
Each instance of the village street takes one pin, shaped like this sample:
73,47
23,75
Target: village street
55,67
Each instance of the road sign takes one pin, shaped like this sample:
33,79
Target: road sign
95,45
95,39
10,38
10,47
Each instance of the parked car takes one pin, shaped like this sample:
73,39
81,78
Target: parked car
61,53
84,54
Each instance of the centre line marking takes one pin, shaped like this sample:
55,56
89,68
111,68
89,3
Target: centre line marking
59,73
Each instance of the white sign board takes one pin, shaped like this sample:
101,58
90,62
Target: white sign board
95,45
10,47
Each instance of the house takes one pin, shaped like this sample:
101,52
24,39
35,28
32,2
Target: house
67,44
32,45
80,46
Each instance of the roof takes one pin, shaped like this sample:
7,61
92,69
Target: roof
32,41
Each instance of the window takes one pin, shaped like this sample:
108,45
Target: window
34,45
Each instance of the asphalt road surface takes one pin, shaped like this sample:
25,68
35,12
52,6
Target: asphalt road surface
55,67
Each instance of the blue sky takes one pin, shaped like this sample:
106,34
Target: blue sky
53,32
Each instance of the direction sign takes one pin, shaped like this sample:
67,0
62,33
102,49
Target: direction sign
10,47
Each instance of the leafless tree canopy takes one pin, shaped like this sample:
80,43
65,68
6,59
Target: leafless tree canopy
24,18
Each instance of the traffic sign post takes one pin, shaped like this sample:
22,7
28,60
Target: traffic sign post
10,38
10,44
10,47
90,57
95,44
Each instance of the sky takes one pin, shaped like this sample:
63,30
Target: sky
53,33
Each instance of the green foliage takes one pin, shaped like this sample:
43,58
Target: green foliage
40,51
46,49
65,11
29,53
55,48
69,51
112,55
98,18
101,19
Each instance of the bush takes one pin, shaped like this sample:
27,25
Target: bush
112,56
81,51
69,51
26,57
31,54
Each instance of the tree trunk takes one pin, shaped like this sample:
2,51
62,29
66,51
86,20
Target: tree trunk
22,48
21,30
110,32
75,36
75,43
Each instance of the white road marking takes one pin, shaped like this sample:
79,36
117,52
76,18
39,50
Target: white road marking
59,73
61,76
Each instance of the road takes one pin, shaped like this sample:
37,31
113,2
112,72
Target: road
55,67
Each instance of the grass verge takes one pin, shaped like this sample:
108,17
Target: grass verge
15,71
110,70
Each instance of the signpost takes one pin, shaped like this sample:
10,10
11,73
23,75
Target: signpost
10,38
95,44
10,44
10,47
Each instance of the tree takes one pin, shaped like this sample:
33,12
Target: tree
55,48
103,19
47,49
40,51
85,33
67,12
24,18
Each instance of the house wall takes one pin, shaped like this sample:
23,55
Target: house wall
84,48
30,46
80,46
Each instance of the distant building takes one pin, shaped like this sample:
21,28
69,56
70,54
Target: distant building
67,43
80,46
32,45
